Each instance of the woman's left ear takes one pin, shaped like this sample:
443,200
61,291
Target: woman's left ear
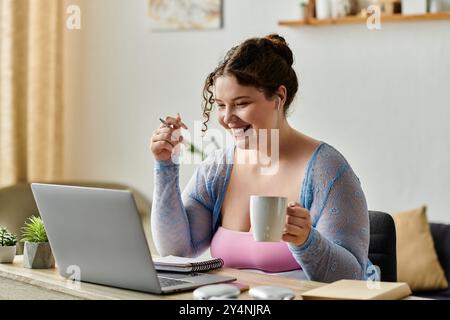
280,97
278,103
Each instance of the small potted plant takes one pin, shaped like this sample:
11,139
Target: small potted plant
7,246
37,251
302,9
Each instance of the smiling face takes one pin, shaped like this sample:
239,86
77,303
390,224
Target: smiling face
244,110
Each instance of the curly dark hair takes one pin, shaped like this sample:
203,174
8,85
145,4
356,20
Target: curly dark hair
265,63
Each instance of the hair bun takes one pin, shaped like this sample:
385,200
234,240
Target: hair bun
281,47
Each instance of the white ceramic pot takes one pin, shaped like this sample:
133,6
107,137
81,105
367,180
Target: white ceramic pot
7,254
436,6
323,9
414,6
339,8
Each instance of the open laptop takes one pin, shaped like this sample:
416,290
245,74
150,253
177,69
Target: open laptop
99,232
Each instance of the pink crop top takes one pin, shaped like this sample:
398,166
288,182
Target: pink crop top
239,250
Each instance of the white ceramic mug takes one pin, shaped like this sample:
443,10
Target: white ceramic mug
267,217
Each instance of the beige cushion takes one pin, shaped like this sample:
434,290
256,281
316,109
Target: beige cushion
417,260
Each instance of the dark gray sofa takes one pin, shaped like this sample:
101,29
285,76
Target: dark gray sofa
441,237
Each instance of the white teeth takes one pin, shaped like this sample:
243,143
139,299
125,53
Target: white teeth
237,131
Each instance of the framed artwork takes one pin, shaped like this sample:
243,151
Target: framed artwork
185,14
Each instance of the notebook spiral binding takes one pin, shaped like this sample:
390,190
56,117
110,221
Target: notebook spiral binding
207,265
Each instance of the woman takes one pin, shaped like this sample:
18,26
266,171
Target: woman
326,232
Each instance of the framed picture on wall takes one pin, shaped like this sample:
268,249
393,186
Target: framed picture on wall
185,14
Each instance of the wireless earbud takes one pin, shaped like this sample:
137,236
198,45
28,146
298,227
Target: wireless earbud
278,103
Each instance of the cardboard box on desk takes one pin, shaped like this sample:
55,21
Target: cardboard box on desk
359,290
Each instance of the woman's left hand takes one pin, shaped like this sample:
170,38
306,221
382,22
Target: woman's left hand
298,224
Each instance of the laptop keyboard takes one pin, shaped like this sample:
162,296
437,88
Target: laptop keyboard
168,282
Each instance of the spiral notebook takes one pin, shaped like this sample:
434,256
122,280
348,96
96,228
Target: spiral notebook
182,264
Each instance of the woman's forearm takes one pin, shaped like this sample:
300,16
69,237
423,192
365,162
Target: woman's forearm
181,223
169,222
325,261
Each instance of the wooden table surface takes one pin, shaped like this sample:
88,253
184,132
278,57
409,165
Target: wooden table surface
17,282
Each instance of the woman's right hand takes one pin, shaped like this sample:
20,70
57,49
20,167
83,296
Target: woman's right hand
166,138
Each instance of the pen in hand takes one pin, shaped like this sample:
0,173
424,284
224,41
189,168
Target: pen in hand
178,122
164,122
171,125
184,142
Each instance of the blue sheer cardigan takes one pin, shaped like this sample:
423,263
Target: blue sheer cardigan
183,223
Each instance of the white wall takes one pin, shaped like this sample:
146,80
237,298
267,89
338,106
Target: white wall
380,97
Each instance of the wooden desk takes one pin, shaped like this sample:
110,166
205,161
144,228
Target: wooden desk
17,282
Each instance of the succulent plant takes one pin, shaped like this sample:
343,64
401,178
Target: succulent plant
7,239
34,230
303,3
194,149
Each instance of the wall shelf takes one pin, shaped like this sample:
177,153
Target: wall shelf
360,19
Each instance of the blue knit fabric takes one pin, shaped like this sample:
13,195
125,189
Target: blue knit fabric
183,224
